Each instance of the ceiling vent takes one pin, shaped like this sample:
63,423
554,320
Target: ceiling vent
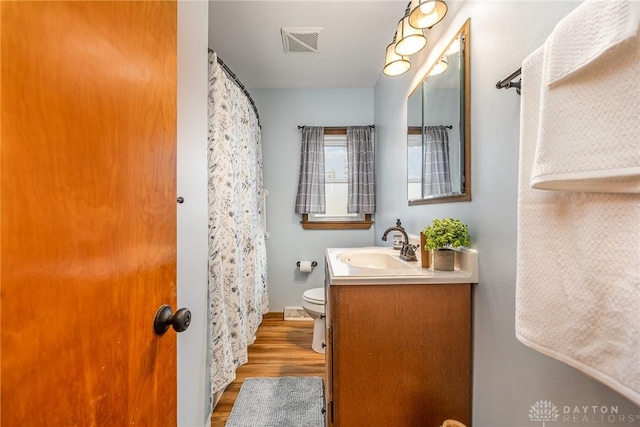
300,39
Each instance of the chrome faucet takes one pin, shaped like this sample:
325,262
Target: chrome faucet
408,251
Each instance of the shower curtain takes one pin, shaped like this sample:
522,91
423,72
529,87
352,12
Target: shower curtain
237,252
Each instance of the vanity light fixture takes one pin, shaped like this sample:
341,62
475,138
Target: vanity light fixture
409,40
395,64
440,67
426,13
409,37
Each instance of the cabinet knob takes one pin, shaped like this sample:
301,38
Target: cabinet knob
323,345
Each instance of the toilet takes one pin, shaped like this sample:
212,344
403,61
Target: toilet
313,303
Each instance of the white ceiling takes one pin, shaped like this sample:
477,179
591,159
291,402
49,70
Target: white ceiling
246,36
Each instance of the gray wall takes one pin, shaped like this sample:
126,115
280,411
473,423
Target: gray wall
193,401
508,377
281,111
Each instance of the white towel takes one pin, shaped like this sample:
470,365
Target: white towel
578,266
589,130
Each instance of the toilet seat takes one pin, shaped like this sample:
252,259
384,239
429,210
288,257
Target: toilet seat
314,296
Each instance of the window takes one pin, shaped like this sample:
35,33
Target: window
414,165
336,188
336,184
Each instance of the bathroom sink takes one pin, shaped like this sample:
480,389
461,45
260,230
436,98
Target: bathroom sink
382,265
375,260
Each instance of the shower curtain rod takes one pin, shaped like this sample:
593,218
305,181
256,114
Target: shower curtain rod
237,81
507,82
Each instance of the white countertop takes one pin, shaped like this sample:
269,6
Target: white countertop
411,272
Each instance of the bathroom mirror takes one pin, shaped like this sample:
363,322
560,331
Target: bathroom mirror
438,129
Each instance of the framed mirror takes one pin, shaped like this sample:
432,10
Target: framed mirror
439,129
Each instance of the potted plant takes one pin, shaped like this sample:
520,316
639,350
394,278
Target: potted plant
443,236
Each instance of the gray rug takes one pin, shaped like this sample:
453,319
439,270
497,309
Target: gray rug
279,402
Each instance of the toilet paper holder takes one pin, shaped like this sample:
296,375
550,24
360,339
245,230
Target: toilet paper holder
313,264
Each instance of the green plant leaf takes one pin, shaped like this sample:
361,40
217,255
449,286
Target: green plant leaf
446,233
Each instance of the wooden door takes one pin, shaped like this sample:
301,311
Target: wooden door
88,221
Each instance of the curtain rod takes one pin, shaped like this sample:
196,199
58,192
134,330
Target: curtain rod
507,82
300,127
419,128
239,83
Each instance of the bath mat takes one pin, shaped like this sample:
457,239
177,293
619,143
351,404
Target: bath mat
279,402
296,313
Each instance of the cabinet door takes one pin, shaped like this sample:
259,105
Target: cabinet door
401,354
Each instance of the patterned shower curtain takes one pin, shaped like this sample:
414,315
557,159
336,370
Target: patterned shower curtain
237,251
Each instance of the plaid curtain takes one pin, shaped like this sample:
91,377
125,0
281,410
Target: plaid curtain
361,195
311,197
436,175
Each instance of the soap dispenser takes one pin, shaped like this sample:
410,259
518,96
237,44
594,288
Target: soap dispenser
398,238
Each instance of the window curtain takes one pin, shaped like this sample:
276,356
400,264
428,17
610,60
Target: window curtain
361,193
436,175
237,251
311,194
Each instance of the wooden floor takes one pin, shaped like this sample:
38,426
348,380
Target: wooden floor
281,349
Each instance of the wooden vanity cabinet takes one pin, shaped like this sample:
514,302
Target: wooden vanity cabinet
398,355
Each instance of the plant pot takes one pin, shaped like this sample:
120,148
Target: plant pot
425,256
443,259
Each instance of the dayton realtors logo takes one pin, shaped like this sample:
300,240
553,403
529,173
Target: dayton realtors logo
545,411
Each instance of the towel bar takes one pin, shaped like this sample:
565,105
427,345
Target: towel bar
507,82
